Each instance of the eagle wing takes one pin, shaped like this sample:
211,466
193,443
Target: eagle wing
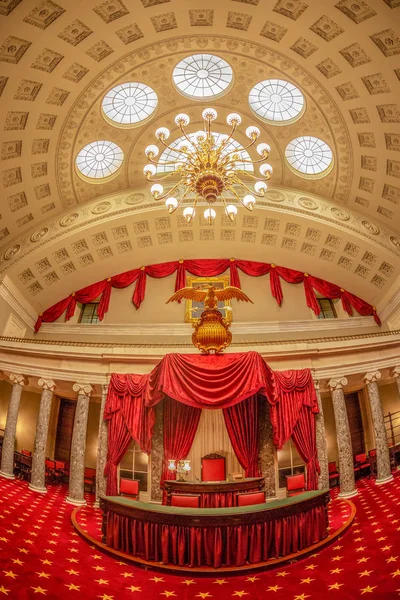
232,292
189,293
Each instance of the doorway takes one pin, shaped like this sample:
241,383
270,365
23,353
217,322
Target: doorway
65,425
355,423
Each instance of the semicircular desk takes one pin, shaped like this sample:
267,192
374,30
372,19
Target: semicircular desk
214,537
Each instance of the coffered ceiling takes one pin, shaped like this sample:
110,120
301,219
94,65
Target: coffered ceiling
57,61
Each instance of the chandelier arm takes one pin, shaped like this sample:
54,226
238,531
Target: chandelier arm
166,194
185,134
161,178
170,147
237,196
242,149
254,162
226,140
258,178
258,194
180,202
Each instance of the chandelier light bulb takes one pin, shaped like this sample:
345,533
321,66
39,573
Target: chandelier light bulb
252,132
209,114
249,201
231,211
162,133
183,146
150,170
182,119
200,136
156,189
233,119
152,149
263,149
266,170
189,213
260,187
171,203
209,215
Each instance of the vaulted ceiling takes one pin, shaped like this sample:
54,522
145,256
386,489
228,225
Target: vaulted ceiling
59,232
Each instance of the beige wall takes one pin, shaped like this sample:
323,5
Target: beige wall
330,429
390,398
27,415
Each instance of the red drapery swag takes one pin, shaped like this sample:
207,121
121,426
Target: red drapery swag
230,382
206,268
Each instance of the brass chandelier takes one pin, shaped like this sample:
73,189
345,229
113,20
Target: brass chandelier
208,170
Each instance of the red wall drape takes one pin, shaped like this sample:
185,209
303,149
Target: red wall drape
180,426
241,422
206,267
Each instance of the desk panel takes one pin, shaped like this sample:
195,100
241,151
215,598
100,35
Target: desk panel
213,494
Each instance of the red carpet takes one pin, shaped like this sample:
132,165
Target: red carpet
41,555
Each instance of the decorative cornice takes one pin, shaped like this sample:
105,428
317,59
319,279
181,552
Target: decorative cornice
18,379
82,389
47,384
337,384
17,302
372,377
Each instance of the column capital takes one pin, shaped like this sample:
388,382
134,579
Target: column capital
46,384
372,376
18,378
338,383
104,388
316,384
83,389
395,372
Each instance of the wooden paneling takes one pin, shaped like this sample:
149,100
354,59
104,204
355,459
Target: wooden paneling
65,426
355,423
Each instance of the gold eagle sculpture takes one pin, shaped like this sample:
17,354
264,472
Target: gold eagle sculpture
212,331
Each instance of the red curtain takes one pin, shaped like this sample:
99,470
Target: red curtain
205,268
180,426
241,422
119,438
304,437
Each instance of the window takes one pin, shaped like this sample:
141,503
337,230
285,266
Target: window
202,76
129,103
135,465
98,160
308,156
89,313
289,463
277,101
327,309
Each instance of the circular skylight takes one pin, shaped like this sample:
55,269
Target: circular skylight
202,76
171,155
129,103
309,156
99,159
276,101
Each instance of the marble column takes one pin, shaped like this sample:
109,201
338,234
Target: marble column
266,449
323,480
78,445
7,457
384,474
346,468
101,480
38,483
157,454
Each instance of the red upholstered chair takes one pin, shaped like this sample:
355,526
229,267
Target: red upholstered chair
372,461
59,469
49,470
26,452
363,464
185,500
248,498
90,478
129,488
295,484
213,468
334,475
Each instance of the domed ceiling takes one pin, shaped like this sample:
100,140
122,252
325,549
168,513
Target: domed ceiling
63,70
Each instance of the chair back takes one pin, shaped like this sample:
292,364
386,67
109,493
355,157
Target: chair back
295,483
26,452
90,472
213,468
361,458
332,467
249,498
50,464
372,452
129,487
60,466
185,500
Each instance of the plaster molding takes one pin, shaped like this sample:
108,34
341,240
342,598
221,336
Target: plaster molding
47,384
82,389
104,388
18,379
372,377
17,302
337,384
396,372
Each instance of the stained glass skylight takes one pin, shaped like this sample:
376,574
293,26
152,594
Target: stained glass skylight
99,159
172,156
309,156
276,101
202,76
129,103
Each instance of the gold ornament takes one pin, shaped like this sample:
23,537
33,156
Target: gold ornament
212,331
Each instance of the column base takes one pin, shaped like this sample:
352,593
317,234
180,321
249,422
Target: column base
7,475
96,504
39,490
348,494
384,480
75,502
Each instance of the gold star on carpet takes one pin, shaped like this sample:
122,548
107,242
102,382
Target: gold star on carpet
338,547
336,571
10,574
282,573
72,572
3,539
311,567
132,588
125,575
187,581
105,597
39,590
97,568
308,580
220,581
48,551
122,563
42,574
204,595
360,549
273,588
168,594
365,573
363,559
252,579
392,559
301,597
337,558
368,589
396,573
23,550
16,561
97,557
382,538
102,581
3,590
386,548
72,586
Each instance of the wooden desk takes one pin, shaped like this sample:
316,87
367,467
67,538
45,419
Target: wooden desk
214,537
213,494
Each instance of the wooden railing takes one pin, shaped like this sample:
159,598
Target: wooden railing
392,422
